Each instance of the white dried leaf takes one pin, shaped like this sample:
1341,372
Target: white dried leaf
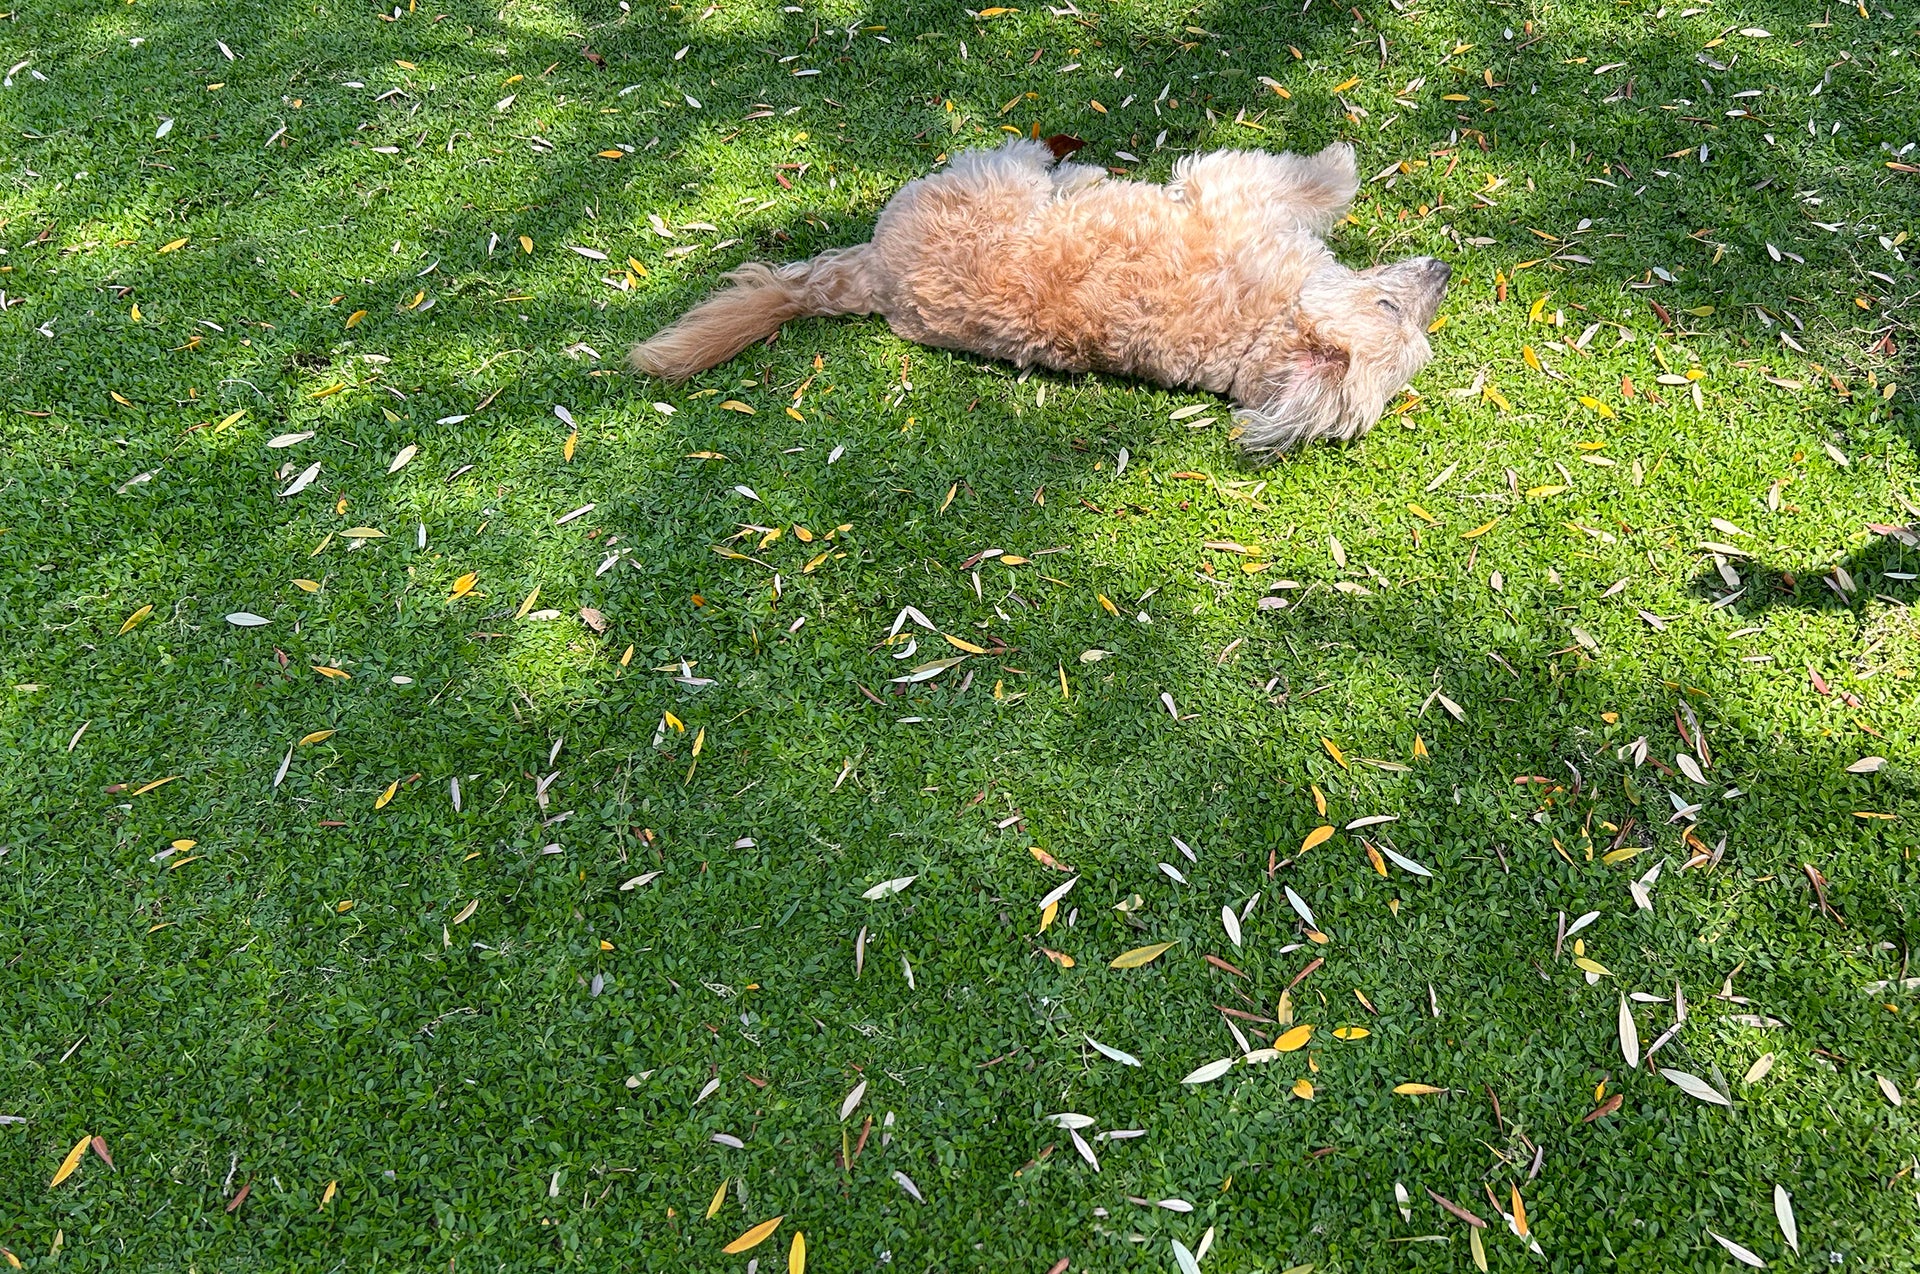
887,888
247,619
1867,765
302,482
628,886
1783,1212
1300,908
1758,1071
1629,1035
1231,923
1107,1050
1689,767
1888,1089
1694,1086
1740,1254
1402,861
852,1102
1187,1261
1210,1072
279,441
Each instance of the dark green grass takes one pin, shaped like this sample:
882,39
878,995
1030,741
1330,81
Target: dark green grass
513,1093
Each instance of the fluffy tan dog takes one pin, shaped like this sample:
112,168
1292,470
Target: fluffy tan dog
1219,280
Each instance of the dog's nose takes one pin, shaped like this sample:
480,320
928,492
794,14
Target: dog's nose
1440,268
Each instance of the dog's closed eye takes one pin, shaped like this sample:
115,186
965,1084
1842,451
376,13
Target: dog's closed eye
1389,305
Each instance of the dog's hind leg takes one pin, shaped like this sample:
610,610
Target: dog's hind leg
1286,192
760,300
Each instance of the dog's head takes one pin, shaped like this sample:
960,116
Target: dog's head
1358,337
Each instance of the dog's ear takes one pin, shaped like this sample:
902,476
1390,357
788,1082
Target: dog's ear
1304,400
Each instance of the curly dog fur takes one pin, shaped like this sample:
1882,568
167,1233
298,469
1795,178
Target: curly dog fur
1219,280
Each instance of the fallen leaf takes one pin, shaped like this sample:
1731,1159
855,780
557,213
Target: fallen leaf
797,1254
1417,1090
1758,1071
1210,1072
71,1162
387,795
1139,956
1318,836
1294,1040
888,888
1629,1035
135,620
1740,1254
1694,1086
1783,1212
754,1237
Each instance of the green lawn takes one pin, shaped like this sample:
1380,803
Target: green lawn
323,1014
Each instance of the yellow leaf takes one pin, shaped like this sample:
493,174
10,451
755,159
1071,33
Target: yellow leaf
328,392
326,1198
364,533
813,564
148,787
1294,1040
1417,1090
418,297
1379,863
1519,1213
404,65
566,448
527,605
318,736
797,1254
464,585
1701,311
1497,398
1344,85
1594,404
1419,746
1339,758
134,620
134,314
1060,958
699,740
1622,854
1318,836
175,246
1477,1246
1541,493
674,722
71,1162
795,413
996,11
1532,359
307,585
1592,966
230,421
1480,530
1319,799
719,1197
734,404
1140,955
611,154
117,398
967,646
951,492
753,1238
1351,1033
526,245
355,317
1048,916
344,906
627,658
327,671
1013,559
387,795
636,267
1303,1089
1107,605
1064,692
1422,514
1437,324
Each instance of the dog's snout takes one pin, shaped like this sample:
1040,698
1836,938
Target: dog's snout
1439,269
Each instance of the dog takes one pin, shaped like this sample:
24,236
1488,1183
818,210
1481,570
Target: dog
1219,280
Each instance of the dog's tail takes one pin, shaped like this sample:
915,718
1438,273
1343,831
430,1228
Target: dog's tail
761,299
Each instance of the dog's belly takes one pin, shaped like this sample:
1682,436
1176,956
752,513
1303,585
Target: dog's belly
1117,278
